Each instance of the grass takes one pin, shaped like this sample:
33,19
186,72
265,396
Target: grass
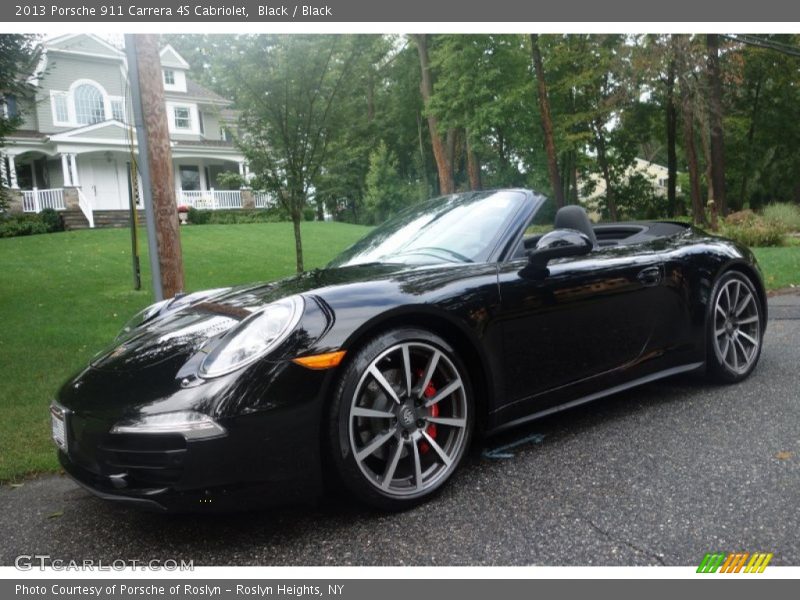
780,265
64,296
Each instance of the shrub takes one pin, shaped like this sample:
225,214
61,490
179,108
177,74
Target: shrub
309,213
234,217
19,225
784,214
199,217
754,231
742,217
52,220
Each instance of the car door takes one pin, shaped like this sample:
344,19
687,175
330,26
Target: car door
587,317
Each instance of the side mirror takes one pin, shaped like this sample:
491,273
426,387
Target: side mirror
559,243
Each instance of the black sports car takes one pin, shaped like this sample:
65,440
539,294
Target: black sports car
462,316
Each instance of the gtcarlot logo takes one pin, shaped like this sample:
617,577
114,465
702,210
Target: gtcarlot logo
29,562
734,562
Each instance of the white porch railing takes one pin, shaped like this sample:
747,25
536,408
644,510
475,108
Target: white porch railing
210,199
36,200
264,200
85,207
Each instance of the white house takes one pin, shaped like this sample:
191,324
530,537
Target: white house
654,173
75,146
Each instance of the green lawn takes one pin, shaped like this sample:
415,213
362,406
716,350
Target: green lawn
64,296
781,266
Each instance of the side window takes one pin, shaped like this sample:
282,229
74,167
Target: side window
540,223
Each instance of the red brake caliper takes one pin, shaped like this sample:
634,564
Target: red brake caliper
429,392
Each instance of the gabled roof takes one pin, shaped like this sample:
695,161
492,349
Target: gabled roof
195,91
171,58
115,128
83,43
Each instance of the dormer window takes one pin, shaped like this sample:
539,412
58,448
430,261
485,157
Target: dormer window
169,77
90,106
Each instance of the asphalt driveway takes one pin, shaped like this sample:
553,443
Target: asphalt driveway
658,475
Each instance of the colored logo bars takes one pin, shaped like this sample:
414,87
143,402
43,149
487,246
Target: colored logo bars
734,562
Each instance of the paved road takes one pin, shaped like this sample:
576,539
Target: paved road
658,475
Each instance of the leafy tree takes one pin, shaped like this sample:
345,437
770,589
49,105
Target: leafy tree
289,88
386,192
19,55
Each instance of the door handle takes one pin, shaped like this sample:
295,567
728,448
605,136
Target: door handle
650,276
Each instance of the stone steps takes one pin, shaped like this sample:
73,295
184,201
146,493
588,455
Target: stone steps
74,219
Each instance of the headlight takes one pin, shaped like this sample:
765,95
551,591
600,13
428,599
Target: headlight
254,337
192,425
171,305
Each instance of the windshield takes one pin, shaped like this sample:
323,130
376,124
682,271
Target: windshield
460,228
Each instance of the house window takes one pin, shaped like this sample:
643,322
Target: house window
169,77
118,110
200,122
190,177
224,134
183,118
9,106
60,110
89,105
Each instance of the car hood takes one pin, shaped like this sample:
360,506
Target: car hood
178,334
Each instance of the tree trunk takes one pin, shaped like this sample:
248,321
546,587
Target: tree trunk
165,208
602,159
423,161
672,127
297,216
445,169
546,121
698,214
751,131
473,166
715,120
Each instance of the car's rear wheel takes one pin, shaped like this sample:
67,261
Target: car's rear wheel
401,418
735,328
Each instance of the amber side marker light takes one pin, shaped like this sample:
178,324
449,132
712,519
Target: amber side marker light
320,361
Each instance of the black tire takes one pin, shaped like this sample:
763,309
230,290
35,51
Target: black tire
740,355
378,478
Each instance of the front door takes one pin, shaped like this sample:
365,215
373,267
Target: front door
591,315
104,189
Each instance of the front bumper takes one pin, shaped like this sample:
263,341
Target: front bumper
265,459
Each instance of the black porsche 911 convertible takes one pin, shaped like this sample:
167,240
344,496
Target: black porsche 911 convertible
374,373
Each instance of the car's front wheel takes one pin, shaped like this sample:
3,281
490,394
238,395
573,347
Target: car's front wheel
735,328
400,419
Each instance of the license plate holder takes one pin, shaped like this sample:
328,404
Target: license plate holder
59,428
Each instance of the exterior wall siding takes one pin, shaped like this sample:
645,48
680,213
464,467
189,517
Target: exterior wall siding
62,71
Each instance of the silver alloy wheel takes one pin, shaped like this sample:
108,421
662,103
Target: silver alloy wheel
737,326
408,419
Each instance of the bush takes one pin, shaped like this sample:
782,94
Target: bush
309,213
235,217
784,214
19,225
52,220
199,217
742,217
754,231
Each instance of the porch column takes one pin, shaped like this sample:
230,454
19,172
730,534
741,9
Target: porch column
74,163
204,184
12,172
241,168
66,171
3,169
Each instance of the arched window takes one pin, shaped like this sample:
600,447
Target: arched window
89,105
